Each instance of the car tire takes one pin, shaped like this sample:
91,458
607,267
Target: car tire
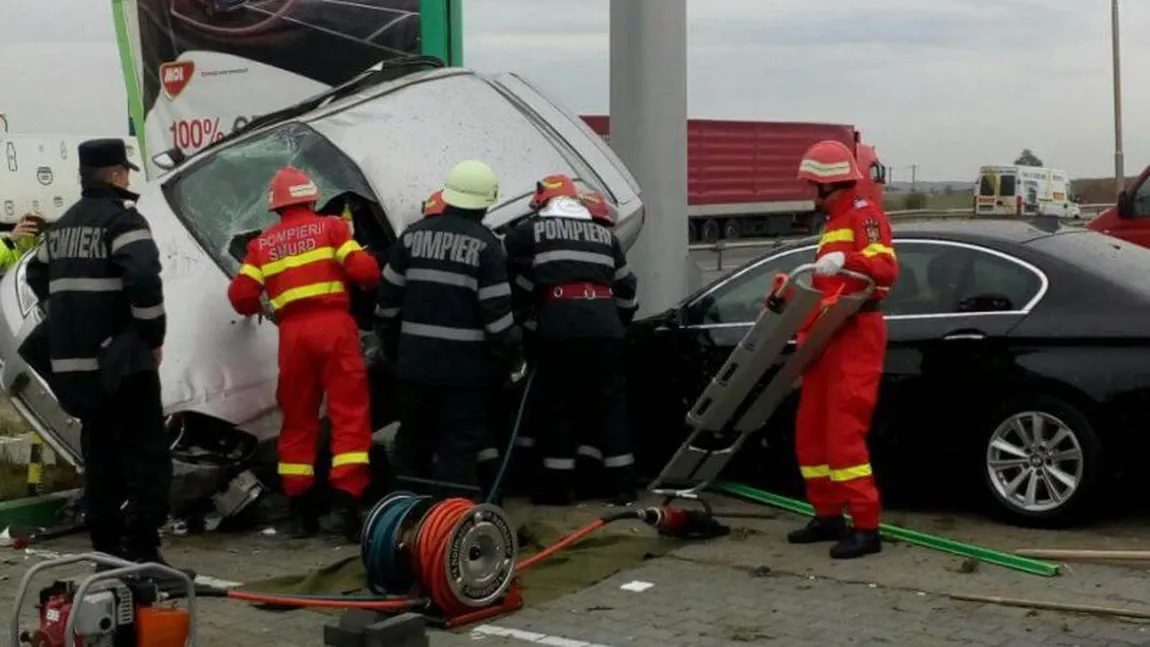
711,231
1012,462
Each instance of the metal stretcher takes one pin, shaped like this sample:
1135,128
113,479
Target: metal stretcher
792,301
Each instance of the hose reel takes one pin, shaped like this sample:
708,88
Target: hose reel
458,554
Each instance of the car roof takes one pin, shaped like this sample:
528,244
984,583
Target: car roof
978,230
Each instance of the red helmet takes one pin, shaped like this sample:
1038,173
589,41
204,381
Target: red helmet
434,205
829,162
289,187
553,186
597,205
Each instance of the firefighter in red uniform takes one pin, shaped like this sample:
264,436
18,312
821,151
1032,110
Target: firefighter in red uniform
304,263
840,388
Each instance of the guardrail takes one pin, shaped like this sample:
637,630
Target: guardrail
1088,211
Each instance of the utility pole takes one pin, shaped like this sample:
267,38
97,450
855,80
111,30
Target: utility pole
649,133
1119,170
913,177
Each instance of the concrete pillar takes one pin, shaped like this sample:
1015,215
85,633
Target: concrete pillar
649,133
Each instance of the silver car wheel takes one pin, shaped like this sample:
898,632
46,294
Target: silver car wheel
1035,462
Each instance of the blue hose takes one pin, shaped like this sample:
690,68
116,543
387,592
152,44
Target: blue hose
492,495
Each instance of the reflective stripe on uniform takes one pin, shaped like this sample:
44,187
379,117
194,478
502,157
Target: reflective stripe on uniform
442,332
350,458
815,471
495,291
524,441
559,463
152,312
75,365
252,272
622,460
570,255
307,291
531,325
874,249
386,313
443,278
393,277
85,285
42,254
500,324
622,272
851,473
489,454
345,249
589,452
837,236
125,239
524,283
296,469
317,255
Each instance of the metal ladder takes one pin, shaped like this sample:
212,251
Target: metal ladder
693,468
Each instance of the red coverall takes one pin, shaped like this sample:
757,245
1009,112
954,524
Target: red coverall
304,263
840,389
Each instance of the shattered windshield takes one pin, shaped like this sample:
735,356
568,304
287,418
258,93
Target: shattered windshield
223,199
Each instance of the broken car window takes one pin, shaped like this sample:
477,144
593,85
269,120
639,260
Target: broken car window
223,199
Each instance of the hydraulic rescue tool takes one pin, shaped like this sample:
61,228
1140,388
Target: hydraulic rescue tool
111,608
713,441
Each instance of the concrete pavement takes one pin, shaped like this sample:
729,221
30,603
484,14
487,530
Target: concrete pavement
749,587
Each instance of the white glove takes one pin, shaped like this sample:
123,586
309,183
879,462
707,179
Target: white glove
830,264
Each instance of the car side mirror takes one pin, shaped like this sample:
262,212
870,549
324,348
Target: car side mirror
986,303
169,159
674,318
1125,205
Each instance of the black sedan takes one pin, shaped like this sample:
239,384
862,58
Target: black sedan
1018,366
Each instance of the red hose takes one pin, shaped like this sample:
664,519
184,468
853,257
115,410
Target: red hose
560,545
431,551
324,603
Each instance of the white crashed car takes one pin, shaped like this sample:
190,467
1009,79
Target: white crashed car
389,142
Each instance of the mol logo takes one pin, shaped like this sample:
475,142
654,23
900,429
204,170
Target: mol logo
175,76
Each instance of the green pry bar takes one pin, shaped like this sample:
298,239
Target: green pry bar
934,542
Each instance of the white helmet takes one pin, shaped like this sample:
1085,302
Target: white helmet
564,207
471,185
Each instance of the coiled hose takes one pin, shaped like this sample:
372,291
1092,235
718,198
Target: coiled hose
404,543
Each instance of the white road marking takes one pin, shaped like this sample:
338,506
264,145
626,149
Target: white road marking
485,631
203,580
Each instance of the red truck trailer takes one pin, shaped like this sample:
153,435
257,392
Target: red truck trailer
741,175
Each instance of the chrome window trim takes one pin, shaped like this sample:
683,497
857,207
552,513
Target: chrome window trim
1044,284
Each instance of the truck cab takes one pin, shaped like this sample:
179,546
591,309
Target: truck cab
1129,218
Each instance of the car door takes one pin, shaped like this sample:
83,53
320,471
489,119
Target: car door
948,319
682,352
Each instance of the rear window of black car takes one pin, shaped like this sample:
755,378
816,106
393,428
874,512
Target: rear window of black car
1116,261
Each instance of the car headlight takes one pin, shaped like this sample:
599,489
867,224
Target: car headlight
25,297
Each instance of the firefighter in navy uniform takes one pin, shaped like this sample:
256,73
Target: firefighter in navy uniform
99,273
444,317
840,388
571,267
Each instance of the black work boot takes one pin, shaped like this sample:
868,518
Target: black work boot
304,522
857,543
343,519
819,529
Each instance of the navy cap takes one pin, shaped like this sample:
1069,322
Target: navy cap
102,153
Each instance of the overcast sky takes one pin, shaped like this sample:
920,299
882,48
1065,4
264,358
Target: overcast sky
944,84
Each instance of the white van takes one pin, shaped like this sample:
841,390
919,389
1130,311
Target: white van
1022,191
